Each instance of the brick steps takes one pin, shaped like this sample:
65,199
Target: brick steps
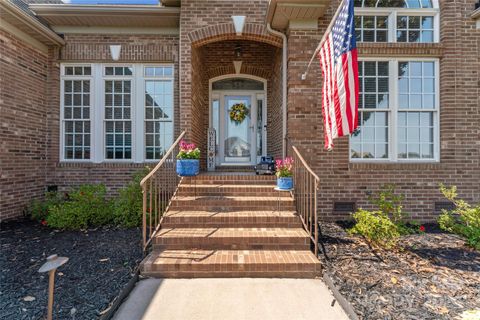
265,190
232,219
231,203
232,238
231,263
231,225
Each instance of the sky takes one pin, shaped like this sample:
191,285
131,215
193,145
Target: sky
154,2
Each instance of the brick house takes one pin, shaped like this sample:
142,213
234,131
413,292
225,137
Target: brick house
71,114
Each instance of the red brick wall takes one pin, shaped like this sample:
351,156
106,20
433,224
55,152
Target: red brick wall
459,113
95,48
23,128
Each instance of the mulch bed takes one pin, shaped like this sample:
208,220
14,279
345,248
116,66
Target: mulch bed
102,261
433,275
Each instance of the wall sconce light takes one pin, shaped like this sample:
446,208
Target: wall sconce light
115,51
238,23
238,51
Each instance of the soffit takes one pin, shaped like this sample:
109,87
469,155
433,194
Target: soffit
280,12
108,16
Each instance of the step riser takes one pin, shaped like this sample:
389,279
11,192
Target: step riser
246,207
223,192
231,243
233,274
240,246
178,223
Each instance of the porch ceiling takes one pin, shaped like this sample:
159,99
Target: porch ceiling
108,15
281,12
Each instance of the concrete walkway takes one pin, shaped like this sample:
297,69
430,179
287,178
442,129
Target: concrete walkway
228,299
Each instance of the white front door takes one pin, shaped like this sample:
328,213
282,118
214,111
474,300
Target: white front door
238,137
238,142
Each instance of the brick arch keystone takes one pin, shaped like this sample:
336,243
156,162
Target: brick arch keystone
226,31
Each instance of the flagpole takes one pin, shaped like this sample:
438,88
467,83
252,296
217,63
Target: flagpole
304,75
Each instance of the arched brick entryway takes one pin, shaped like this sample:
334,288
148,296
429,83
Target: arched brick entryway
226,31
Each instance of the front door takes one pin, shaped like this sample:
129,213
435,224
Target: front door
238,139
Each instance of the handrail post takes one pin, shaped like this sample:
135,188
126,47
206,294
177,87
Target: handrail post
144,216
315,191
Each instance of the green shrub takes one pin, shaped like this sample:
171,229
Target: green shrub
87,206
464,220
39,208
376,227
383,227
128,205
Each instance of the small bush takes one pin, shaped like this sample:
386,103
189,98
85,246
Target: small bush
39,209
376,227
87,206
382,228
464,220
128,205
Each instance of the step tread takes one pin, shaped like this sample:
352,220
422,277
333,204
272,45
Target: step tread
223,257
230,214
229,186
232,233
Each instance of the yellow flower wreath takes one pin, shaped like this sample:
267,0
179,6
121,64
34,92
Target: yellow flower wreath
238,113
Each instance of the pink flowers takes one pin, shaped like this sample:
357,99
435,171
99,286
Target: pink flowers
188,151
184,146
284,167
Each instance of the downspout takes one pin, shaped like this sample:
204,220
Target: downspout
284,87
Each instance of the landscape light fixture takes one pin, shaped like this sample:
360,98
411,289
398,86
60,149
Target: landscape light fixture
53,262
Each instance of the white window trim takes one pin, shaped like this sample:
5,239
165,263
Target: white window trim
393,113
141,119
97,110
392,14
64,77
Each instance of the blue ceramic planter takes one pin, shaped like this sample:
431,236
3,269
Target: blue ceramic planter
188,167
285,183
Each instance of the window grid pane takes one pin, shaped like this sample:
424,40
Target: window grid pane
76,113
413,4
158,115
371,28
118,126
416,85
415,135
415,29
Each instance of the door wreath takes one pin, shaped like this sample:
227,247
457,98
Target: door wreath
238,113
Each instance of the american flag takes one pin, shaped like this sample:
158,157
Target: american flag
338,59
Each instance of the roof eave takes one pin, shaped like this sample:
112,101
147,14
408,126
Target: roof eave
55,9
32,23
476,14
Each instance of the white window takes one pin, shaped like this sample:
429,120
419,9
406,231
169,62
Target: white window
397,21
398,111
76,111
116,112
158,111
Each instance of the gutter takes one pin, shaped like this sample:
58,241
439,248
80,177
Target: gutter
284,87
32,22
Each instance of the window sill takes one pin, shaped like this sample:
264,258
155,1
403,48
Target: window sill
430,49
88,164
398,165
